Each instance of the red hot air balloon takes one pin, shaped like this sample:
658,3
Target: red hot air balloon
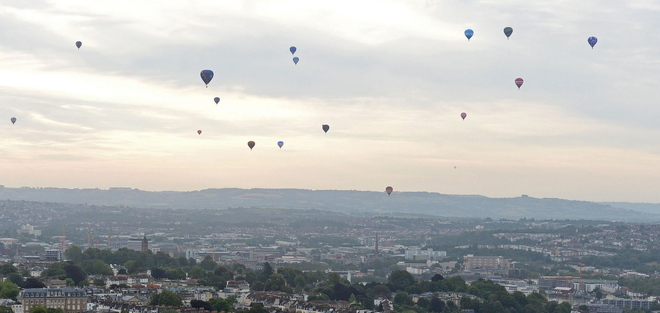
463,115
519,82
199,132
251,144
389,190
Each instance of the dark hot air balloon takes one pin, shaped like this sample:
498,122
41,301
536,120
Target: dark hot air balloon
293,49
199,132
13,120
280,144
508,31
216,99
463,115
519,82
469,33
592,41
206,75
389,190
325,128
295,60
251,144
78,44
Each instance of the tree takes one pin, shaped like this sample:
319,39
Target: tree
167,298
97,267
197,272
399,280
197,304
220,304
437,305
275,282
8,268
70,282
300,280
5,309
74,254
266,272
333,279
33,283
158,273
38,309
437,277
352,299
8,290
402,298
99,282
208,263
598,293
75,272
16,278
122,271
383,291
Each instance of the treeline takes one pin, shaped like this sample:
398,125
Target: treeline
649,286
641,261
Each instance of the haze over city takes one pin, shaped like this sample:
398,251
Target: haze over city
391,78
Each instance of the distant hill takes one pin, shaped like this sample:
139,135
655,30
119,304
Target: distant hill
653,208
399,203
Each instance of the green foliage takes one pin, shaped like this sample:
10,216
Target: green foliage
7,269
196,272
400,280
16,278
8,290
265,273
97,267
5,309
220,304
74,254
167,298
276,282
649,286
208,263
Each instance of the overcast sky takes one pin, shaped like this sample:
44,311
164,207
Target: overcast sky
391,78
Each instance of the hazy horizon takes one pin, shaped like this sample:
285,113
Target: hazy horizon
391,78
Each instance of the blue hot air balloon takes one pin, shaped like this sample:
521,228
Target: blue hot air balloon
293,49
206,75
216,99
469,33
295,60
78,44
13,120
508,31
592,41
280,143
325,128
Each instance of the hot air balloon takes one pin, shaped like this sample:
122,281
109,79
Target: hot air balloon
325,128
13,120
251,144
293,49
454,167
78,44
295,60
199,132
508,31
389,190
206,75
592,41
463,115
469,33
280,143
216,99
519,82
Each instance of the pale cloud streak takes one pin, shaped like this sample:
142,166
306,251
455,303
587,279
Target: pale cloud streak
390,77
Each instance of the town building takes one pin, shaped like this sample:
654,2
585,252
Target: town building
67,299
426,255
471,262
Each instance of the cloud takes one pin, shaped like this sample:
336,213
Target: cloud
389,77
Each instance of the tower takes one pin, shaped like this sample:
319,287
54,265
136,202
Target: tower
145,244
